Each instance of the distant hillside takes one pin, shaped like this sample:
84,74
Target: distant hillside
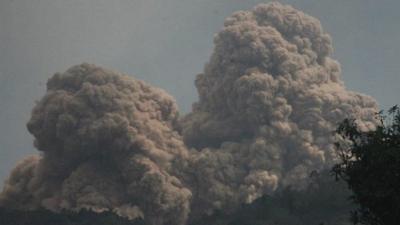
325,202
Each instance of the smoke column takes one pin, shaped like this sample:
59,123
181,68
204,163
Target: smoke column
270,98
107,143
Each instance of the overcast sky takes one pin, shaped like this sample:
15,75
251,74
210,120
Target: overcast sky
166,43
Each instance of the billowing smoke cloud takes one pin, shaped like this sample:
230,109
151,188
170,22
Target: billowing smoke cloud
107,143
269,100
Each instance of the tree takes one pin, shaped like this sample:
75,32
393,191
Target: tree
370,165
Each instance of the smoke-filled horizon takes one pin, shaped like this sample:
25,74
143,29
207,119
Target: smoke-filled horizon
166,44
270,98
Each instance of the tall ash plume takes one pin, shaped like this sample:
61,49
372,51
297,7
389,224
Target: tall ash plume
107,142
269,100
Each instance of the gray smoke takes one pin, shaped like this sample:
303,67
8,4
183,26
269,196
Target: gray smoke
107,142
269,100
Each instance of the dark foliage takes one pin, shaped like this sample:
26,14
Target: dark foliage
370,165
45,217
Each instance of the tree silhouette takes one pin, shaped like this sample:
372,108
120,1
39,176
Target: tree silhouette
370,164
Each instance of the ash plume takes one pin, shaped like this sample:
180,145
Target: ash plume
107,142
270,98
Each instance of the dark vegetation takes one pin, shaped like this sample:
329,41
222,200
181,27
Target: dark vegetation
45,217
370,165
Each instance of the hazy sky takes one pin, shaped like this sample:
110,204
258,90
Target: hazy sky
166,43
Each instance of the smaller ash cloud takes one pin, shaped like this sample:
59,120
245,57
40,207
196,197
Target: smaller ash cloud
107,142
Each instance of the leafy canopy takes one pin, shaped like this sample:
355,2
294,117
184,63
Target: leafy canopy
370,164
